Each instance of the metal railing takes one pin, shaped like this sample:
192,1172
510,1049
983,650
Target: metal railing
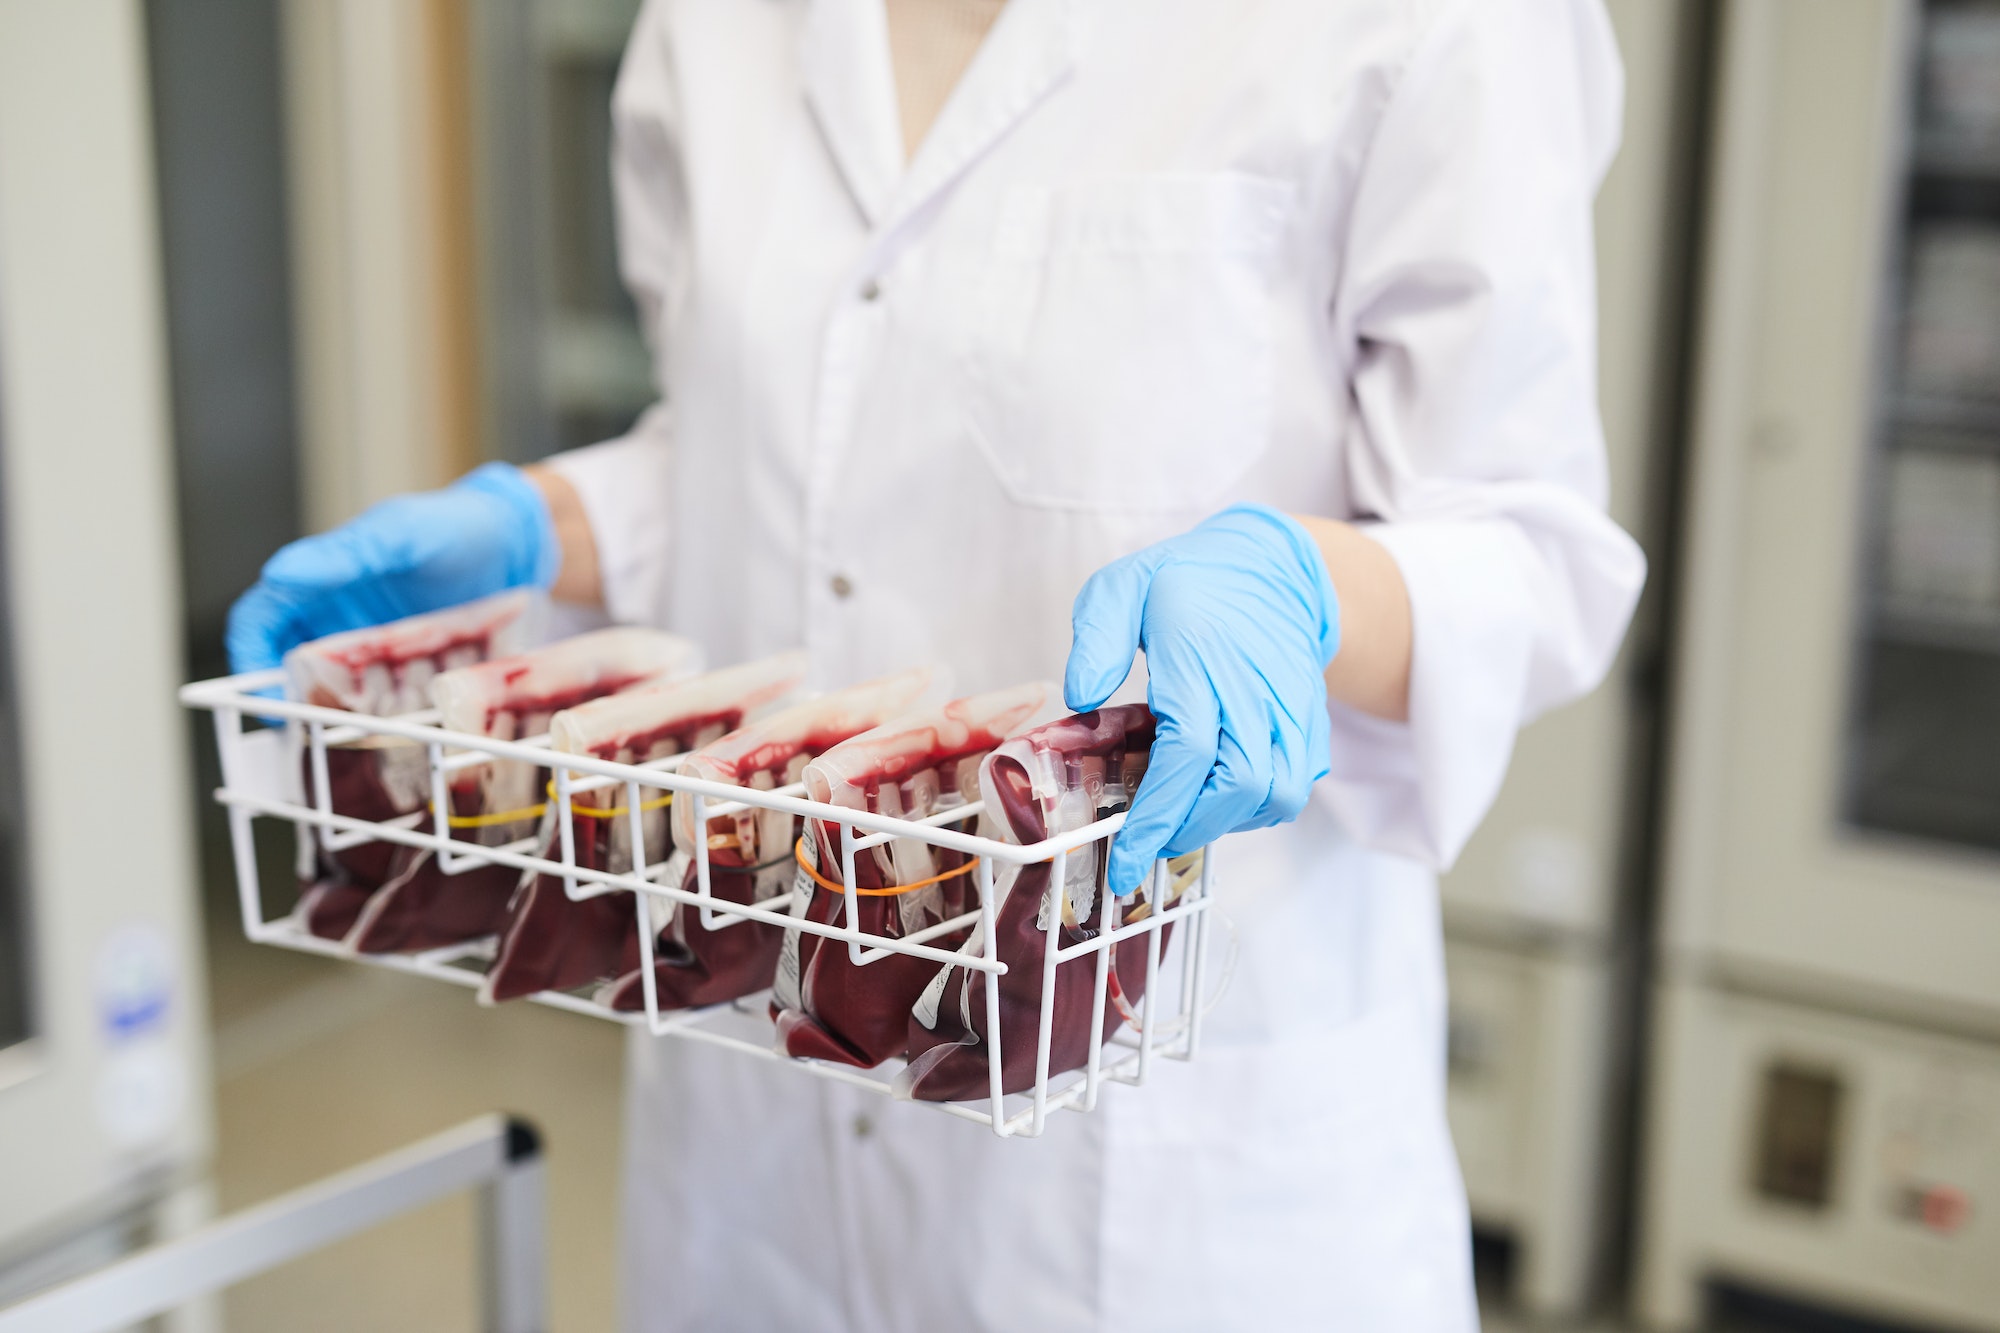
501,1156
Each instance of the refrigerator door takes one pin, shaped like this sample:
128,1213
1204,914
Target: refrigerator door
1836,759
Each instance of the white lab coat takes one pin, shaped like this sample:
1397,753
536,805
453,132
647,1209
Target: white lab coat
1154,257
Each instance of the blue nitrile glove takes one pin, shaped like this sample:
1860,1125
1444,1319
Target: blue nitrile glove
1238,620
487,532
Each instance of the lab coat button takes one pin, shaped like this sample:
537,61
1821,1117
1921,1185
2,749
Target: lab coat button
872,292
841,585
864,1126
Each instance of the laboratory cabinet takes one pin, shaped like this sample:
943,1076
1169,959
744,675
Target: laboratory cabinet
1827,1013
1535,1053
1847,1162
105,1124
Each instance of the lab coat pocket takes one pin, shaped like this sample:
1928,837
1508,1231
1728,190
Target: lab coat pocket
1121,356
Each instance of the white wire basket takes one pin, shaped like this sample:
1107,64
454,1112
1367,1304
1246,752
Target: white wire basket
259,768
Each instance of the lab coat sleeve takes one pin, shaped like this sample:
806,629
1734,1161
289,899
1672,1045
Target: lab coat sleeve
624,483
1467,308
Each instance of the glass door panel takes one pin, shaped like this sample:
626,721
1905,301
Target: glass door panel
1925,745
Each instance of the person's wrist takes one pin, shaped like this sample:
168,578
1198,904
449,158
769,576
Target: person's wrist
578,579
1314,580
534,554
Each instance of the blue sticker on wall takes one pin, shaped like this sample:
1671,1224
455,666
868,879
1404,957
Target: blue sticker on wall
134,980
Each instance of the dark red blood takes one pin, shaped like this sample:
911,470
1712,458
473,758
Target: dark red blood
428,909
544,706
552,943
423,908
694,966
669,738
805,1039
355,789
431,909
337,896
961,1073
328,908
420,907
332,898
950,1062
398,651
777,755
860,1015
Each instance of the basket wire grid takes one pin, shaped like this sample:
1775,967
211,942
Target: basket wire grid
258,776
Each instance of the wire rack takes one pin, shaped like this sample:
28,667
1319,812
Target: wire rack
260,765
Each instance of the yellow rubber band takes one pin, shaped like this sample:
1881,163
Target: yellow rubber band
605,812
799,854
499,817
537,811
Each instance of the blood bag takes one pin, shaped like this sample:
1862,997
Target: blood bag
916,767
1055,779
553,943
500,801
750,852
386,671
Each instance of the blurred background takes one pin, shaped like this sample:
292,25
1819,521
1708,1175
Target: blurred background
1725,960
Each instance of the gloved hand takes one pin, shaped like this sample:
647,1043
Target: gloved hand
485,533
1238,619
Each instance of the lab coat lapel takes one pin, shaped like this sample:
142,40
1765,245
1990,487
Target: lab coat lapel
844,60
1026,57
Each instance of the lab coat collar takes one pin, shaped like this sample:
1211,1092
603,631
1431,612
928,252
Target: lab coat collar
851,86
1028,54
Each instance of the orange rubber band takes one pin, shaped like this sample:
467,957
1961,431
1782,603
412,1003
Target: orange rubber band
799,854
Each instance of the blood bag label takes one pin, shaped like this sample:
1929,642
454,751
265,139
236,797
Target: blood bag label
926,1008
785,984
925,1011
919,908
